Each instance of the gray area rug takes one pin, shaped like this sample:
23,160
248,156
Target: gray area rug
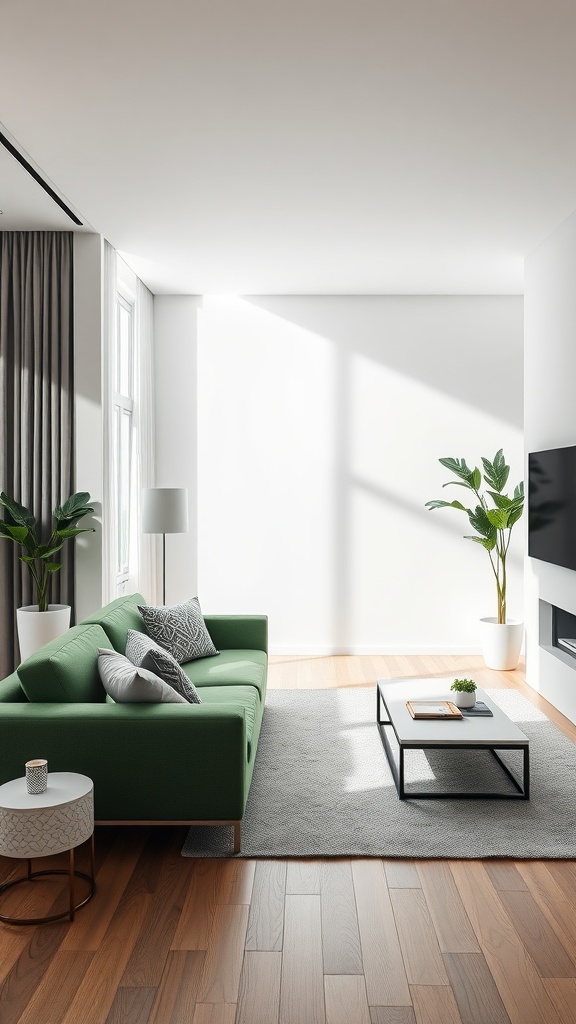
322,788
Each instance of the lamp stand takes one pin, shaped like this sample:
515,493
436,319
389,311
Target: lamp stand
164,568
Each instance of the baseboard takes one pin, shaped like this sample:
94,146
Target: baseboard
383,649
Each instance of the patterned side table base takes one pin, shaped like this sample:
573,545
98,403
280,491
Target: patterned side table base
72,875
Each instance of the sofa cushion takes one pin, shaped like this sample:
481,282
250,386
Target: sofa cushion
66,669
230,668
179,629
117,618
143,652
127,684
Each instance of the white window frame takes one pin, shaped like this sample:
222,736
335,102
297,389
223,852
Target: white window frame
123,406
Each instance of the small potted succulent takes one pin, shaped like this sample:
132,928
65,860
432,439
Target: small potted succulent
464,693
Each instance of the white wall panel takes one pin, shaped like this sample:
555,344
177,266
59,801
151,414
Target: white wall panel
320,423
550,422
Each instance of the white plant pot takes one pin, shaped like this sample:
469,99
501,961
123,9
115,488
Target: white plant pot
37,628
462,699
501,642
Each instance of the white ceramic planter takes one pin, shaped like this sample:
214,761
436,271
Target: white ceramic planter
501,642
37,628
462,699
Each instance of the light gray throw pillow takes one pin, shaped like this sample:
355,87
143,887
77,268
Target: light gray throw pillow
145,653
127,684
180,629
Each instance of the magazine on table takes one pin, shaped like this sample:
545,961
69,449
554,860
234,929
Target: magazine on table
478,710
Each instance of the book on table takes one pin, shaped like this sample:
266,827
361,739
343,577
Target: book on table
433,709
479,710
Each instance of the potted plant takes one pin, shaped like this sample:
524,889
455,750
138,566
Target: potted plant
492,518
464,693
38,623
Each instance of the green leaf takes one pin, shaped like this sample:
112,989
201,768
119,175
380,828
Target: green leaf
481,523
73,508
53,566
16,533
487,542
19,514
498,517
28,559
445,504
515,515
496,472
457,466
500,500
458,483
519,490
45,551
437,504
471,477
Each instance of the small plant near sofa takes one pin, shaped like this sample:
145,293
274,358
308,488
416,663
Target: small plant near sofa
20,526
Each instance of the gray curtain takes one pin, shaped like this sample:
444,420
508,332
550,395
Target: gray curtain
36,405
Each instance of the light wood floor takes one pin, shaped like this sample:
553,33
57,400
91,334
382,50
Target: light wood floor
168,940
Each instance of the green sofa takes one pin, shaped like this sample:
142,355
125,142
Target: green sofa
178,763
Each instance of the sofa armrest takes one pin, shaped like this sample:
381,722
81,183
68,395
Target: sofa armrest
238,632
148,761
11,691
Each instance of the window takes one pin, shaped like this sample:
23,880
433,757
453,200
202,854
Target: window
122,434
129,558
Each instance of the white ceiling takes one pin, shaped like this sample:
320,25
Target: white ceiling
310,146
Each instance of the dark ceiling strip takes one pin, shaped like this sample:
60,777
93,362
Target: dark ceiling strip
34,174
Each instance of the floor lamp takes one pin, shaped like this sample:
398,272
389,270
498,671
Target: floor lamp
164,510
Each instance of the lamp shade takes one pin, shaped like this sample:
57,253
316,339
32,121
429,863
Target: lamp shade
164,510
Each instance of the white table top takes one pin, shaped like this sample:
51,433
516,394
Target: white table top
63,788
436,732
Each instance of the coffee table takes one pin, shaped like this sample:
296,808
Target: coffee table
493,734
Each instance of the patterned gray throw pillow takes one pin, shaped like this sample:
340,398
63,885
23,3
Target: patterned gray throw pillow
144,653
180,629
128,684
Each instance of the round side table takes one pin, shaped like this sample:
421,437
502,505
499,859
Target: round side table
40,825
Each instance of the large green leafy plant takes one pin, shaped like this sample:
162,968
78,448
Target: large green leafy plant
20,526
492,521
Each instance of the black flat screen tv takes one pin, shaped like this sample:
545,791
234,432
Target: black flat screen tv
552,506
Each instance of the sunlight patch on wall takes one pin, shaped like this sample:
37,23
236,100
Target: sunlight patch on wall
319,440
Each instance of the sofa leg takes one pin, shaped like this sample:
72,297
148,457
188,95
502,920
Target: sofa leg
237,831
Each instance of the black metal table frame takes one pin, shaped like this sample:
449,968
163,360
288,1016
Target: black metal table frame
397,768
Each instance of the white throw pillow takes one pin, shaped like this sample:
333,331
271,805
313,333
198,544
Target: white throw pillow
127,684
180,629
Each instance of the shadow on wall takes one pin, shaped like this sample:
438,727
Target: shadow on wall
474,368
366,439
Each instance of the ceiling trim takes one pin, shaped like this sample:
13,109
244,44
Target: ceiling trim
37,177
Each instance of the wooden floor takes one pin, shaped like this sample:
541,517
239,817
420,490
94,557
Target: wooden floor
168,940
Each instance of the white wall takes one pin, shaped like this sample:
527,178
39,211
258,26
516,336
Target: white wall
320,423
550,422
175,327
88,413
